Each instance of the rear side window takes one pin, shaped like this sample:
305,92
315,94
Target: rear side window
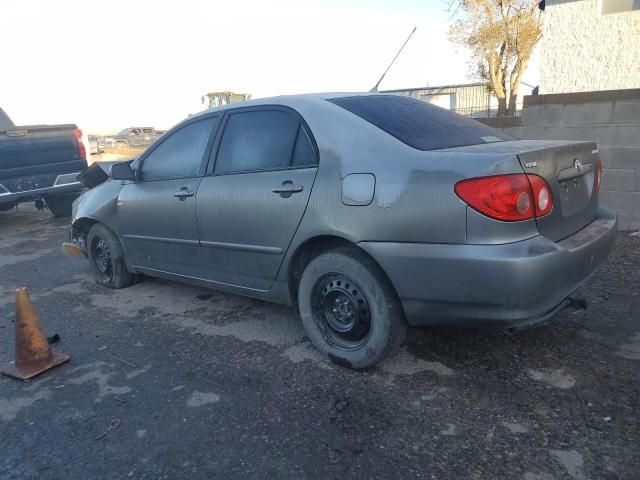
179,155
262,140
303,153
419,124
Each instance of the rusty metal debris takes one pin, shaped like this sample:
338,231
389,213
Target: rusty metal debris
73,250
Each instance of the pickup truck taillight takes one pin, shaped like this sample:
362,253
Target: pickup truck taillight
598,178
82,150
509,198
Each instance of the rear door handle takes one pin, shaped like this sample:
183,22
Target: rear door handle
183,193
287,189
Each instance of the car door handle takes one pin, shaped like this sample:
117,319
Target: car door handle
183,193
287,189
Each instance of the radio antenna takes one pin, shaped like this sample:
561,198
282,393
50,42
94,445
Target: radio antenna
375,88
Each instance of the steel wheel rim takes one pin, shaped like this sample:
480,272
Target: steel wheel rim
102,258
341,311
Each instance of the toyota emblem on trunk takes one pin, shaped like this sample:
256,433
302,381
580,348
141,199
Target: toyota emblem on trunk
578,165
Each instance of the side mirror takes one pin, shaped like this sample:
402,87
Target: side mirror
123,171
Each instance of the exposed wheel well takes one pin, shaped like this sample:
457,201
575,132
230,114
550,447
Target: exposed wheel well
310,249
81,227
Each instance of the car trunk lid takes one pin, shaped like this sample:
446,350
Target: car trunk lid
568,167
570,170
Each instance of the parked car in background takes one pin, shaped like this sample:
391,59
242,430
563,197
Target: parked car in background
106,142
368,212
40,162
135,137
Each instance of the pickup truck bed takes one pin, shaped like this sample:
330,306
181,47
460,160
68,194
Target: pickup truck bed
41,162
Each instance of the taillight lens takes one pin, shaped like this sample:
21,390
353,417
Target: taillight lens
509,198
542,195
82,150
597,180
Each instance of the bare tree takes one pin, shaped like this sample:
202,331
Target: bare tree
501,35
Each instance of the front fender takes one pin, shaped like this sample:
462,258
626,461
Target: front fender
99,204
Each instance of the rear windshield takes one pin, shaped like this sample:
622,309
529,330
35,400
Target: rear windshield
419,124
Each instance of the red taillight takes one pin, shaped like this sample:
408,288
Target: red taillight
509,198
542,195
82,150
597,180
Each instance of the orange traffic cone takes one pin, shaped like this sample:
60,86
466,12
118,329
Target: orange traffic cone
33,355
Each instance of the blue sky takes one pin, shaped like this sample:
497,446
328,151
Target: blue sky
106,65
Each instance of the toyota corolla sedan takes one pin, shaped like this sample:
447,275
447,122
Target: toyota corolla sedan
366,212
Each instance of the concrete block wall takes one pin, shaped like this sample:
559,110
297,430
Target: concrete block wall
609,118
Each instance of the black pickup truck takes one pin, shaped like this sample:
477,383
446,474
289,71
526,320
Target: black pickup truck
40,162
135,137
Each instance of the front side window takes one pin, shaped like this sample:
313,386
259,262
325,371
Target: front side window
260,140
180,154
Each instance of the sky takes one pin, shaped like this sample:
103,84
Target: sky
109,64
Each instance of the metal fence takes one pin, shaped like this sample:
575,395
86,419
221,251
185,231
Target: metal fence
471,99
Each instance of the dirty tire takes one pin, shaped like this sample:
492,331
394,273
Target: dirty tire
106,258
60,205
352,281
122,145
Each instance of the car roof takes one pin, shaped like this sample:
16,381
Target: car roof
285,100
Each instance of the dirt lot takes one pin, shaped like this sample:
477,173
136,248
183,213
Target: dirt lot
115,155
172,381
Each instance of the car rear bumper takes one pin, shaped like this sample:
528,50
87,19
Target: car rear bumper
66,183
503,286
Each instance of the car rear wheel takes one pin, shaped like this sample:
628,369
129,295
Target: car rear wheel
121,145
349,308
106,258
60,205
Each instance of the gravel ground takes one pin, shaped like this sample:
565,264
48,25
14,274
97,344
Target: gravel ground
173,381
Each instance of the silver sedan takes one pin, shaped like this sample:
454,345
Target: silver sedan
366,212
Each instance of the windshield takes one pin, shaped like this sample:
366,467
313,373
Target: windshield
419,124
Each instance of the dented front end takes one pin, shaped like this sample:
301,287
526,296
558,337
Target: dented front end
96,205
